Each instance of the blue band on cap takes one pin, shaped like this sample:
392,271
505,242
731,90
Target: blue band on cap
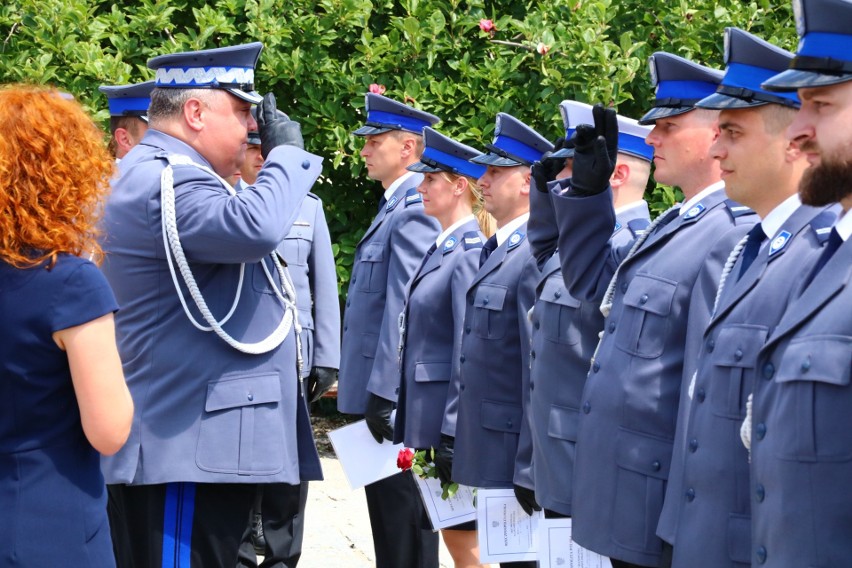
635,145
750,77
569,132
517,148
121,106
685,89
454,163
396,120
824,44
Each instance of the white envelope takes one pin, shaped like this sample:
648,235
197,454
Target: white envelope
363,460
446,513
506,533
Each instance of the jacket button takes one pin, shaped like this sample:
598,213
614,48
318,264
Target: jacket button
596,366
760,493
532,386
768,371
461,359
690,494
644,299
353,280
611,326
693,445
656,465
557,294
761,554
396,390
760,431
345,327
250,396
806,364
467,329
587,407
305,165
537,325
710,346
623,287
461,386
532,354
700,395
508,423
738,354
485,301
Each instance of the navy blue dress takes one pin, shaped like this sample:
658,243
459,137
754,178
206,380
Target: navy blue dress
52,493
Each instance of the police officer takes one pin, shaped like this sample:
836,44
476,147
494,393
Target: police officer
215,381
707,512
483,439
433,317
630,399
277,527
565,330
385,259
800,436
128,114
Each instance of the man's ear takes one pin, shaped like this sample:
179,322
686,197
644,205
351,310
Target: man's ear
525,189
461,185
123,140
792,152
193,114
408,148
620,175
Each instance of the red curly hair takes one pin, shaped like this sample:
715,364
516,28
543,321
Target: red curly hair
54,174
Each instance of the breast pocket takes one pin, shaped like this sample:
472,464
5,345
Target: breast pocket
559,312
644,325
432,372
489,321
810,419
734,357
296,247
240,416
372,270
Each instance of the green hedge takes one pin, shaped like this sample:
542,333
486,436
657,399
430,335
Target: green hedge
321,57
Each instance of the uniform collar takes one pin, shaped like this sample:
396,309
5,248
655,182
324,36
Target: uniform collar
701,195
449,231
395,185
778,216
844,226
507,229
635,205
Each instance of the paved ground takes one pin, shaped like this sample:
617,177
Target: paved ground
337,528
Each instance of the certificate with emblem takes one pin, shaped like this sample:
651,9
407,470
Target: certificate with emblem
558,550
363,460
506,533
446,513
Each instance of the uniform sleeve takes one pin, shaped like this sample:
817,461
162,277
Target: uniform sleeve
542,230
412,234
463,274
326,306
84,296
220,228
526,300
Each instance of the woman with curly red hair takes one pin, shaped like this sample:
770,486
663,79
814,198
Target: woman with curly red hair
61,381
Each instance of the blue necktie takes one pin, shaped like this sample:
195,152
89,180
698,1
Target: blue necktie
755,238
426,258
834,242
489,247
382,202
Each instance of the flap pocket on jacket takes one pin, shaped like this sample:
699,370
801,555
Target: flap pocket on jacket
373,252
643,454
432,372
738,345
490,297
563,423
650,294
243,391
821,358
554,292
501,416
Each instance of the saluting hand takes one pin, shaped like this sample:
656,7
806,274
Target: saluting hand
275,127
595,152
547,168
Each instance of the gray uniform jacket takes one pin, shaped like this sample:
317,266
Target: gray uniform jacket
307,250
493,375
801,454
564,337
204,411
630,399
707,511
434,308
385,260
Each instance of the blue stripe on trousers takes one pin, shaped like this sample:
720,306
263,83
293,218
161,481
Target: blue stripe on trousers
177,525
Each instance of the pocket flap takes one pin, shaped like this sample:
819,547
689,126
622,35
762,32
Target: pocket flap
373,252
501,416
822,358
650,294
738,346
554,292
643,454
563,423
243,391
301,230
490,297
432,372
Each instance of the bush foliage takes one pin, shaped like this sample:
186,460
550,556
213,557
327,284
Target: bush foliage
321,56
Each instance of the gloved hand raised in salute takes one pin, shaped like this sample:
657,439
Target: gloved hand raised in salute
275,127
595,153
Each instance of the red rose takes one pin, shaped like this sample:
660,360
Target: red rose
377,89
486,25
404,459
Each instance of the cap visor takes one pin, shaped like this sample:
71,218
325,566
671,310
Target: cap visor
370,130
719,101
421,167
793,79
657,113
563,153
495,160
251,97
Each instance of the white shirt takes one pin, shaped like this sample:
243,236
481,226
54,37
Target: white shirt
442,237
506,230
624,208
395,185
701,195
778,216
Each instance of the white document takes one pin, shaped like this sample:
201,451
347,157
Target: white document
506,532
363,460
450,512
558,550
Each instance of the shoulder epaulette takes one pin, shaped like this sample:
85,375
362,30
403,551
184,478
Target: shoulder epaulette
736,209
412,196
472,240
314,196
638,226
822,224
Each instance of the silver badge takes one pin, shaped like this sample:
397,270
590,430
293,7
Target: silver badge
779,242
499,128
799,16
514,239
449,243
727,45
652,69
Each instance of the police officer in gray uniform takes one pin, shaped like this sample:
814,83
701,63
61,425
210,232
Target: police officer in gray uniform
128,114
214,381
801,424
385,259
707,511
630,399
565,330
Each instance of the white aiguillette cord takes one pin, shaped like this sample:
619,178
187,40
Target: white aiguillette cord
171,241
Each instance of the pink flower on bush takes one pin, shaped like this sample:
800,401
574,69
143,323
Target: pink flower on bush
377,89
404,459
542,49
486,25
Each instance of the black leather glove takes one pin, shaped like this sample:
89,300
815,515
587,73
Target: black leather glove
526,498
275,127
320,381
547,168
444,459
378,417
595,152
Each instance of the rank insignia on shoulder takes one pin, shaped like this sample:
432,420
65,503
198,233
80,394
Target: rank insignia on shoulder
411,196
301,224
392,203
450,244
515,239
617,227
472,240
638,226
779,242
736,209
694,211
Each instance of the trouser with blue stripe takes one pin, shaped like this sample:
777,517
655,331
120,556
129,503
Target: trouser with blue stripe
179,525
